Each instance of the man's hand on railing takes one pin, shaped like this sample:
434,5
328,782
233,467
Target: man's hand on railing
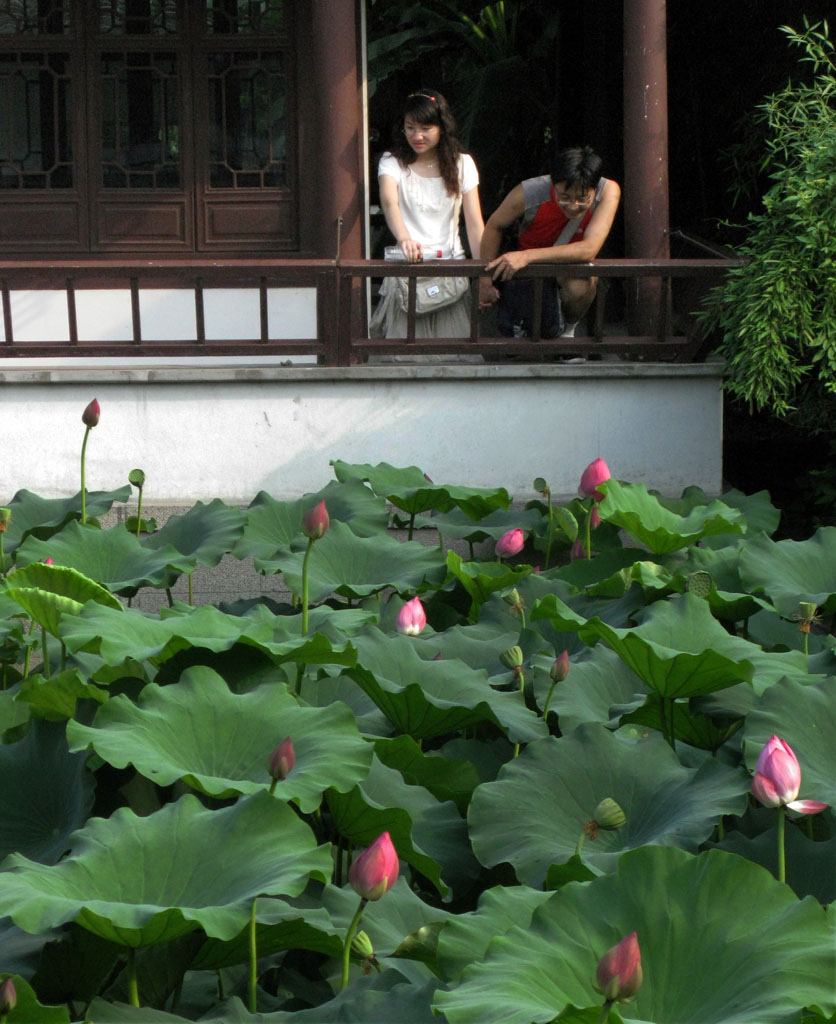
505,266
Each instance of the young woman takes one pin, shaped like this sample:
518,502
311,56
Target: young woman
425,183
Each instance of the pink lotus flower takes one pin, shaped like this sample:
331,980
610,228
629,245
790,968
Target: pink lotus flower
316,521
8,997
376,869
560,667
619,972
594,518
595,473
411,618
577,550
90,416
281,760
778,779
510,543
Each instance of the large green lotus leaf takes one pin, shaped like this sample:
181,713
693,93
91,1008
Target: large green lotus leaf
46,592
727,597
138,881
721,943
219,742
805,717
324,690
46,795
446,778
465,937
680,650
760,514
808,863
607,567
597,682
115,558
120,636
481,579
429,835
457,525
424,699
378,999
204,534
343,563
477,644
42,517
13,713
789,571
275,527
28,1010
536,810
56,698
412,491
632,508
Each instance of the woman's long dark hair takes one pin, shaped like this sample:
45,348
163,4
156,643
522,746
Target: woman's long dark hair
430,107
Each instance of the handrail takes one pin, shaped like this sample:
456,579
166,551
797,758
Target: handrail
340,306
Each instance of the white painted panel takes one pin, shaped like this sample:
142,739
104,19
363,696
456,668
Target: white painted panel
104,315
231,313
40,316
168,314
291,312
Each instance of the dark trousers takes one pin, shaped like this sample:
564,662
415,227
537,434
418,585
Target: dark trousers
516,307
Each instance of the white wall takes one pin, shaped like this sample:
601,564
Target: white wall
228,430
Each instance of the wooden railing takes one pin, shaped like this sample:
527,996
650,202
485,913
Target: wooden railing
341,338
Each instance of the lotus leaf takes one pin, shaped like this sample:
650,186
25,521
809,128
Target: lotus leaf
219,742
775,958
536,810
139,881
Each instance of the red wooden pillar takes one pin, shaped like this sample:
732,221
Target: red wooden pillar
645,199
338,143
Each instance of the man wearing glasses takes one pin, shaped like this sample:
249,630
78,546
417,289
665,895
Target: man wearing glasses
564,217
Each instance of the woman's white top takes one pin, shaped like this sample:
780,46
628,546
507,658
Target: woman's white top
430,214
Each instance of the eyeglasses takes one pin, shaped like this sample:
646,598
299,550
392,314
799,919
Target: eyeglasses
564,199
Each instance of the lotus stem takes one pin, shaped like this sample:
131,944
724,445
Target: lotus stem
83,492
549,532
253,979
782,866
139,512
191,589
548,702
588,540
605,1012
305,586
133,988
411,526
352,928
2,554
45,650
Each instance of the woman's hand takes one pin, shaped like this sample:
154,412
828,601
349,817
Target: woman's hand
412,250
488,295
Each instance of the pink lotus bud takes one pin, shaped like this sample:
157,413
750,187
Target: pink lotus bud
281,760
90,416
510,543
48,561
560,667
411,618
594,518
619,972
376,869
8,997
595,473
577,550
315,521
778,779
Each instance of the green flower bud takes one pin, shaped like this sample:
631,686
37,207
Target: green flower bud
361,945
512,658
609,815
